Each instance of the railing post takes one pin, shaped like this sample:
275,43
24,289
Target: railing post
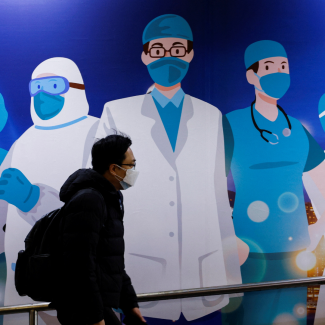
33,317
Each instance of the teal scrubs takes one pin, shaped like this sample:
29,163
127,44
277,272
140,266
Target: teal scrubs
269,212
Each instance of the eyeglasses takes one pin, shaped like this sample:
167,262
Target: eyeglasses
133,165
160,52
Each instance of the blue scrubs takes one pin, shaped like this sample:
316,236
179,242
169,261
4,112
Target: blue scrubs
269,212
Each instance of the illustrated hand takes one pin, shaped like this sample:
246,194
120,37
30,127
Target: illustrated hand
243,251
16,189
134,317
316,231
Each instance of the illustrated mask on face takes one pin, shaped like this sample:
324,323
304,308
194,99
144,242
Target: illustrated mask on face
47,106
275,84
168,71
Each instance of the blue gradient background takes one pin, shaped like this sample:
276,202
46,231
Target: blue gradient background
104,39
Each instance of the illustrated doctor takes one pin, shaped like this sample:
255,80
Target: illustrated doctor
267,152
178,220
38,163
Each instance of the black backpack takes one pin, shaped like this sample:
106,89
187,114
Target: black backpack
35,272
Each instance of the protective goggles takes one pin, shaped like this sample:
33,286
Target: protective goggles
52,85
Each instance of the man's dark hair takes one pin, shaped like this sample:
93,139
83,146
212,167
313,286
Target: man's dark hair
189,47
109,150
254,67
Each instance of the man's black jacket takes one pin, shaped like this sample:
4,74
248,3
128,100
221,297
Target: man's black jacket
91,252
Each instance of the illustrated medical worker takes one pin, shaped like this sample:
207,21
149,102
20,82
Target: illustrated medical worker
37,164
267,152
179,210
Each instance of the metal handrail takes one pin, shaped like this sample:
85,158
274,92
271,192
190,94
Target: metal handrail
33,309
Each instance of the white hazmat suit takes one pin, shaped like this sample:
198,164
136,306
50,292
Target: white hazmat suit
47,153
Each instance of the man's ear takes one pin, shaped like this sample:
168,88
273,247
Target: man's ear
252,78
145,58
111,169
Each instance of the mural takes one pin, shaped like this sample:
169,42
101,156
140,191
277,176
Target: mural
223,190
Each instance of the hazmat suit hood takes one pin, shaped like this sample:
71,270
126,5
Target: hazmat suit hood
75,104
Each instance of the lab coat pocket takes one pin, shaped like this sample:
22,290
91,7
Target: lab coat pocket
208,273
147,272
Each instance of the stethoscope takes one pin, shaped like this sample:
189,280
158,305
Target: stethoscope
286,132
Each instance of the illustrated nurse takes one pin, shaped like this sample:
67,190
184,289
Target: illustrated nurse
267,152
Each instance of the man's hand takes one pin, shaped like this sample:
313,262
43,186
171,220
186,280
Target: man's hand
134,317
102,322
137,313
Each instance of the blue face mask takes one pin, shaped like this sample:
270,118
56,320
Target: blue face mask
275,84
47,106
168,71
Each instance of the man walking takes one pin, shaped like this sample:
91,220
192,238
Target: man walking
91,268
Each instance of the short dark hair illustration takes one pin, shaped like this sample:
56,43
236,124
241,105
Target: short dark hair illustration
254,67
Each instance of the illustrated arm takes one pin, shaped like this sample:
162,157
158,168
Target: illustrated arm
231,251
229,143
16,189
48,200
315,167
317,230
4,204
31,200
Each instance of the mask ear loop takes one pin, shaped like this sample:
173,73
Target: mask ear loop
118,175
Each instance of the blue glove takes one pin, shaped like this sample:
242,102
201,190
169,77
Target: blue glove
16,189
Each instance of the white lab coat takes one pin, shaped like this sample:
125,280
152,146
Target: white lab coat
178,213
